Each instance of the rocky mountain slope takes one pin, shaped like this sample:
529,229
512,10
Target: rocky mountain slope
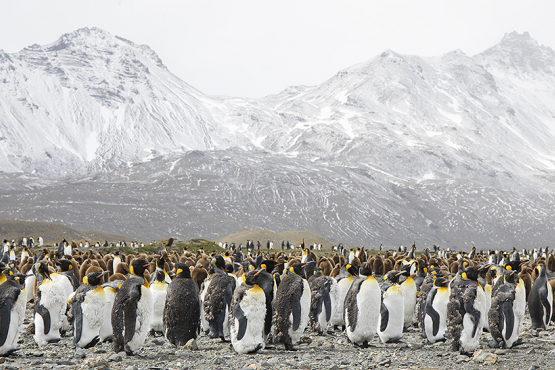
97,134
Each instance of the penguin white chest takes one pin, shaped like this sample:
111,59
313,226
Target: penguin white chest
144,316
368,302
252,306
158,290
391,326
343,288
305,309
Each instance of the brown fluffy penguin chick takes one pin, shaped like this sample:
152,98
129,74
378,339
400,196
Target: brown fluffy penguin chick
117,276
326,267
199,274
387,266
336,270
204,263
355,262
122,268
377,266
551,263
527,280
84,267
362,256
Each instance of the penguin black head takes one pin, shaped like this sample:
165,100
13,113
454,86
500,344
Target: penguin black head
229,268
296,268
218,262
308,269
441,282
182,271
160,275
513,266
94,278
41,268
471,273
351,269
160,262
393,276
64,265
365,269
251,277
268,265
512,277
139,266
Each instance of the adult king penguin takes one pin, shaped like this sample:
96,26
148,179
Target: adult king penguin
132,310
12,312
87,310
362,307
158,288
540,300
466,311
217,300
182,308
506,314
50,306
324,294
435,320
246,321
291,307
344,281
392,310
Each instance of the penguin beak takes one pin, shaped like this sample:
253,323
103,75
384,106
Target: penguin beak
103,273
149,264
485,266
259,272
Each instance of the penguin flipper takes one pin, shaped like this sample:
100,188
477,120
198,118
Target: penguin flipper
77,313
474,314
43,312
130,313
545,303
296,311
239,314
327,303
430,311
507,316
384,314
5,320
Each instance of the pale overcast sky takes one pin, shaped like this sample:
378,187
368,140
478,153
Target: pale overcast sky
252,48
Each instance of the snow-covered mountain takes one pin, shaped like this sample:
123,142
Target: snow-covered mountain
447,150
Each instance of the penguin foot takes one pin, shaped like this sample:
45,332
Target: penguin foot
53,341
493,344
270,347
224,340
343,328
518,342
93,342
289,347
465,353
257,348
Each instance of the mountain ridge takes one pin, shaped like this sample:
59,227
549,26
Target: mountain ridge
439,149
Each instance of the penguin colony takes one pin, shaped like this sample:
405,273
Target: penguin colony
255,300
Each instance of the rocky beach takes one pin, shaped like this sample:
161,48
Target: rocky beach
330,351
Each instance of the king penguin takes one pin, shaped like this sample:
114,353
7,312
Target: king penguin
435,321
87,310
50,306
392,309
344,281
246,322
132,310
158,288
324,294
217,301
110,290
506,314
540,300
182,308
12,312
466,311
291,307
408,286
362,306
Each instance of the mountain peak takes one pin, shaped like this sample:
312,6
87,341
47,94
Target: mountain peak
520,52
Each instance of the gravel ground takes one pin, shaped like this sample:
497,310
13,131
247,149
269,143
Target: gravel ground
331,351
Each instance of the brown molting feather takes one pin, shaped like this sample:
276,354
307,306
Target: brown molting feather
117,276
199,274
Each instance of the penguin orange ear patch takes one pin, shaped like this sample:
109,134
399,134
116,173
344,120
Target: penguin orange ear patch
508,268
179,271
464,276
